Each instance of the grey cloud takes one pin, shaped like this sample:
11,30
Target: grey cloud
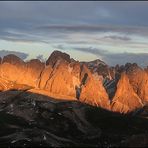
19,36
47,34
47,20
91,50
59,47
115,37
72,17
69,12
96,29
50,12
13,39
22,55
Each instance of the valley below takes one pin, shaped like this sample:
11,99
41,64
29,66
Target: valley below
32,120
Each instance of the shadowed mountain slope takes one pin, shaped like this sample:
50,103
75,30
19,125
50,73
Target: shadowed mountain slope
29,119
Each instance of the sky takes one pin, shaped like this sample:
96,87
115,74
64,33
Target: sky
113,31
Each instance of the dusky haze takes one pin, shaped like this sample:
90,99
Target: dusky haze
115,32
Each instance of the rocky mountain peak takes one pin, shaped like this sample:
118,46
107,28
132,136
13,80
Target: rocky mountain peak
57,55
125,99
92,90
12,59
95,83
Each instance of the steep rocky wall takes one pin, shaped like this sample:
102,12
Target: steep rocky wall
124,91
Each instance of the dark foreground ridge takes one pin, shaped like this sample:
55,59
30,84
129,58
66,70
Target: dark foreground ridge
29,119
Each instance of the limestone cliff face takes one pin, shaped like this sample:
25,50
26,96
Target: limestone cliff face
63,79
92,90
45,76
57,55
135,75
60,75
12,59
125,99
33,72
5,85
143,88
63,76
16,70
138,78
146,70
12,68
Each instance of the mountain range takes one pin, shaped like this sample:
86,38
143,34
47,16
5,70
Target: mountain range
83,93
120,88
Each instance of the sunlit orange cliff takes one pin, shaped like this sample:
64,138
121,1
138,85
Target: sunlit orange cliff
120,89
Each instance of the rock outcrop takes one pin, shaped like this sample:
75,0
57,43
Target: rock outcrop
125,99
12,68
60,76
143,88
12,59
92,90
135,75
16,70
32,74
45,76
121,88
64,78
139,80
57,55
